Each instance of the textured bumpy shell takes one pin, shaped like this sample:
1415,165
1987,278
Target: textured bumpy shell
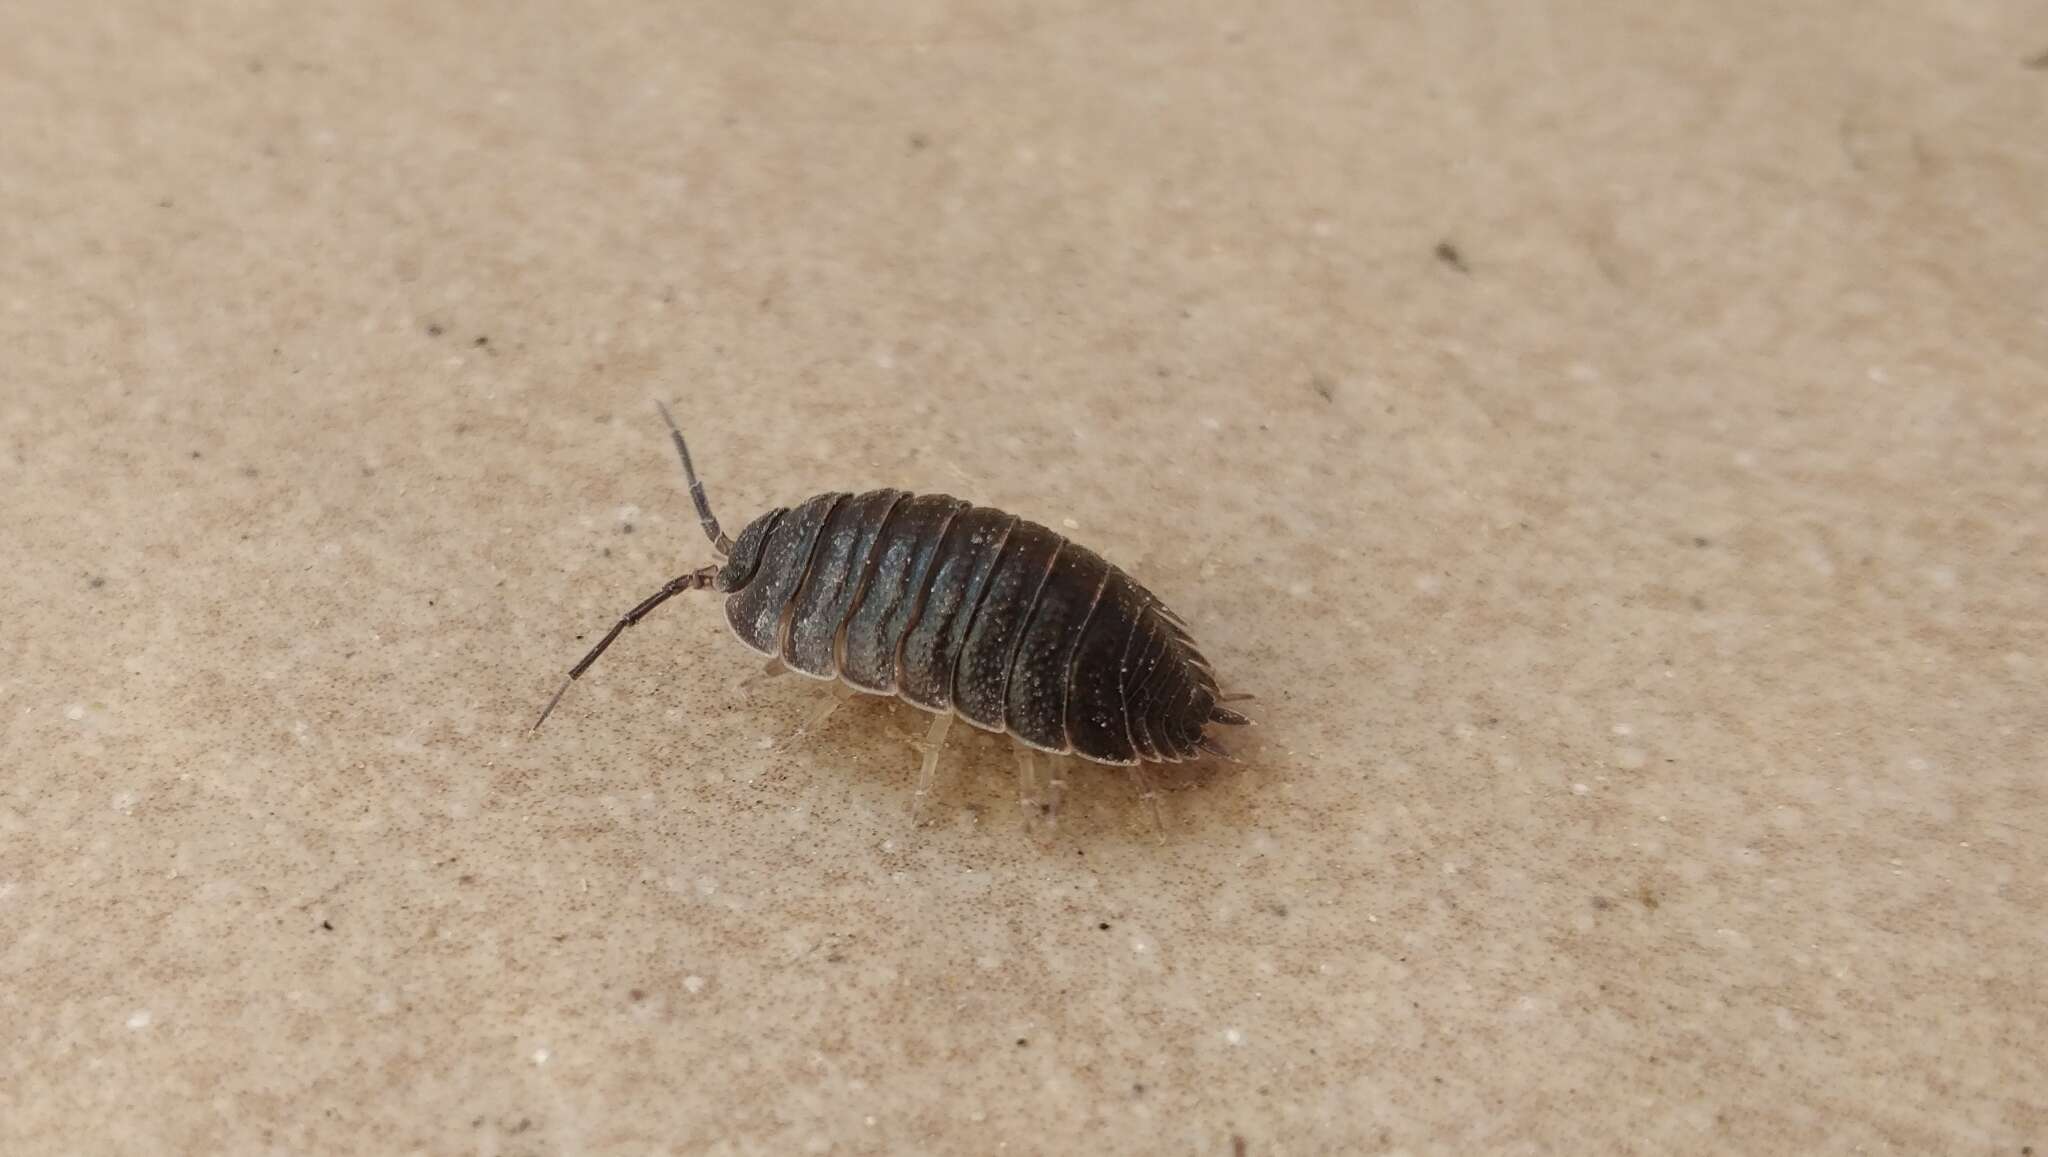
962,608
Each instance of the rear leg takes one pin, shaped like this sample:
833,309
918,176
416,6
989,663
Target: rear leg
1142,780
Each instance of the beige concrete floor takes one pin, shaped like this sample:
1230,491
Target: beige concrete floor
1608,437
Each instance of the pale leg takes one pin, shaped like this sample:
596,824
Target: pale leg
840,694
928,771
1146,792
1027,784
1055,791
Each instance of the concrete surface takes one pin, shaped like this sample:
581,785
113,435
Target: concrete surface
1608,437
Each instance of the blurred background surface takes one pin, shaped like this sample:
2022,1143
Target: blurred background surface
1609,438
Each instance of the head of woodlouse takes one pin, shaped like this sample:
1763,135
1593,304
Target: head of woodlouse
745,558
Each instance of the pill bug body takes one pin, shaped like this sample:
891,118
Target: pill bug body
964,611
995,618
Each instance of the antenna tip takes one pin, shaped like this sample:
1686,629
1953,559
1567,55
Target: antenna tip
550,708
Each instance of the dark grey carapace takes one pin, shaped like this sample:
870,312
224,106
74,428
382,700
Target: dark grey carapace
961,610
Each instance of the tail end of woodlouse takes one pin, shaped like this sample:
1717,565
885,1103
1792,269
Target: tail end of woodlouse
1224,715
1214,748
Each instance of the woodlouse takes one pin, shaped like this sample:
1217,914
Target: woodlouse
960,610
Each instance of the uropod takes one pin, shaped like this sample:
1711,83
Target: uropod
963,611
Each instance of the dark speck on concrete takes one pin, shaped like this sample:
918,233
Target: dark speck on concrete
434,329
1449,255
2039,63
327,925
1701,541
1602,903
625,528
919,141
97,581
481,341
1022,1041
1104,925
1324,387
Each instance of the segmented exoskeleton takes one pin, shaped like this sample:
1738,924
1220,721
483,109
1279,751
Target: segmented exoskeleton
960,610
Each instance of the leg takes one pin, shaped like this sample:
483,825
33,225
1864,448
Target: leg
1027,783
773,668
1055,791
840,694
696,580
928,771
1143,782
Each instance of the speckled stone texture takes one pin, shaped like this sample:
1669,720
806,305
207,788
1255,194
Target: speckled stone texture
1611,439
